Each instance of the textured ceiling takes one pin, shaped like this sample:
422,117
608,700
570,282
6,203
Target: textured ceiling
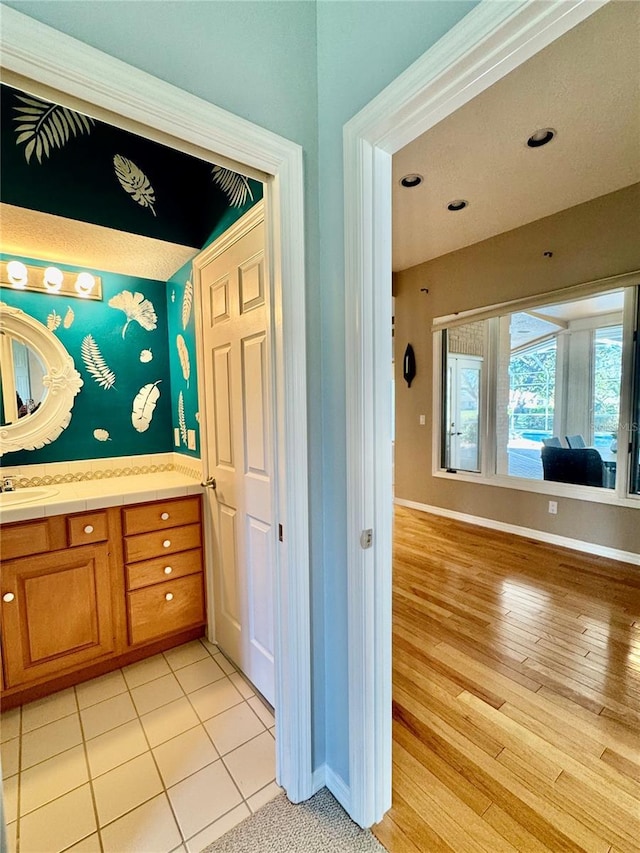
43,236
586,85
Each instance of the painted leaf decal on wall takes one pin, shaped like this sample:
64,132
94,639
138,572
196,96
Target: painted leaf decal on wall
182,422
187,302
101,435
234,186
95,363
42,126
137,308
144,404
146,356
68,317
53,321
183,355
134,181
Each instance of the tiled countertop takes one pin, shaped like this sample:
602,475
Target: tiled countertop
100,493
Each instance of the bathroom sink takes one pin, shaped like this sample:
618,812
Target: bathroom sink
25,496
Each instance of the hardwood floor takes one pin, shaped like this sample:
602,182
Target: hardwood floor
516,695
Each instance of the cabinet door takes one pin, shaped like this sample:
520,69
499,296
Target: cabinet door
56,612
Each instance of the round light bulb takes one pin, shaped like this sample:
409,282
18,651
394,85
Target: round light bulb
85,283
53,279
17,273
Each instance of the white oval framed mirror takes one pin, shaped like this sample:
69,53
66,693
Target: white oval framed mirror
33,361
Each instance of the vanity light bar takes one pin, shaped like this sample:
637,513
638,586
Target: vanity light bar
52,280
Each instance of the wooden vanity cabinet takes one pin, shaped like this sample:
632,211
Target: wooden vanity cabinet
89,592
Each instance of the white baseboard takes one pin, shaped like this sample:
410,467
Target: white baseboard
529,532
319,778
325,777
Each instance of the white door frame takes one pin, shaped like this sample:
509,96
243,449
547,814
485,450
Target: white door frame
492,40
53,65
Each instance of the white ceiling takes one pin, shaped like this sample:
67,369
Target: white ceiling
42,236
586,85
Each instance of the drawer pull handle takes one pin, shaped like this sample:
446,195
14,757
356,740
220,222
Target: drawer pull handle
169,596
89,528
8,597
167,570
166,543
164,516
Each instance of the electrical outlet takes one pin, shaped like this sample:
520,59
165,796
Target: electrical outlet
423,420
176,437
553,507
191,439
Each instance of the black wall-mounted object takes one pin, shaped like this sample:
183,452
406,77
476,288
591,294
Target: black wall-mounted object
409,365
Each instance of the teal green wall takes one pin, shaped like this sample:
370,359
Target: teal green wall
300,69
96,407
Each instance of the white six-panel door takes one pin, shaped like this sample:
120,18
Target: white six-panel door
237,379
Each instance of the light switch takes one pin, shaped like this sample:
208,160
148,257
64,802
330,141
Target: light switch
423,420
191,439
176,437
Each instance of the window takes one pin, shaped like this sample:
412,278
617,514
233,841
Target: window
546,392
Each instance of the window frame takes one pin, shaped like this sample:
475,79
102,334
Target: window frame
629,395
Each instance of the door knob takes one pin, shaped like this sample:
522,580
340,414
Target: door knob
8,597
209,483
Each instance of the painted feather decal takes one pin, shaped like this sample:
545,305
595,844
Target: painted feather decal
144,404
95,363
187,302
43,126
183,355
134,181
68,317
53,321
182,423
234,186
101,435
137,308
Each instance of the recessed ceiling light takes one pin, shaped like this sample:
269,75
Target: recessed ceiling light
458,204
413,180
541,137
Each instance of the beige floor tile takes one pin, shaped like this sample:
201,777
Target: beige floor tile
10,757
234,727
12,837
183,755
203,798
107,715
156,693
262,711
217,829
10,724
170,720
150,828
90,844
264,796
186,654
210,647
49,709
126,787
99,689
215,698
115,747
242,685
199,674
59,824
146,670
52,778
10,798
50,740
253,765
224,664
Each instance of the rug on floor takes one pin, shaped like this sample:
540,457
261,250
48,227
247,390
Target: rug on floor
320,825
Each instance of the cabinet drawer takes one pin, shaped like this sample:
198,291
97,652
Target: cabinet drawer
32,537
165,608
87,528
147,545
162,569
158,516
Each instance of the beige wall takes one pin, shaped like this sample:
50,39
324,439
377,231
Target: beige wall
590,241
